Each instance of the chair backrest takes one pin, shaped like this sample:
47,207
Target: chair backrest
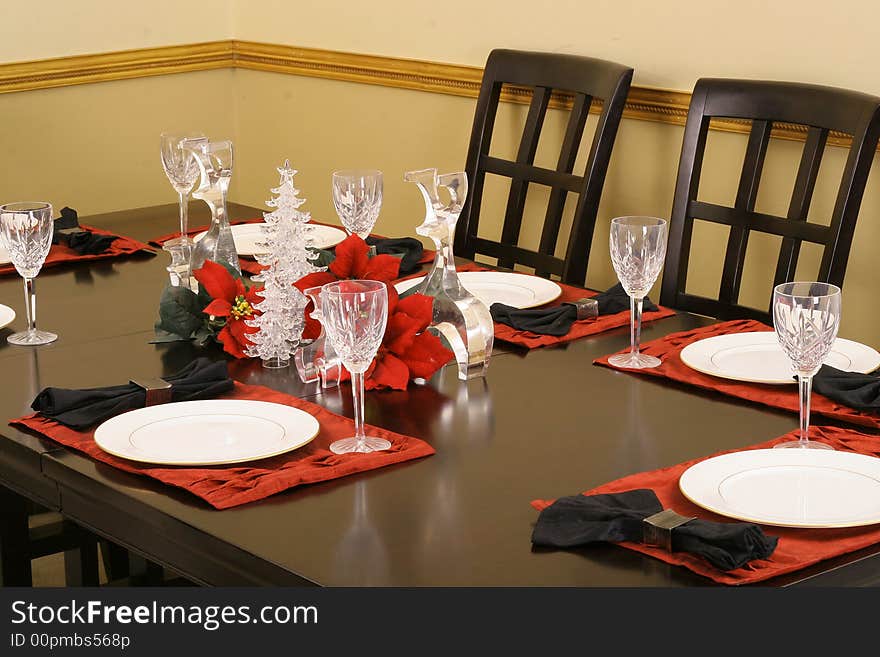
587,79
820,110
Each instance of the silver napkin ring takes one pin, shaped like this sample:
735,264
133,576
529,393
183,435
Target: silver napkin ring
158,390
657,529
586,308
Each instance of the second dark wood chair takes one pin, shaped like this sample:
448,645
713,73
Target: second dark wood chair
587,79
821,110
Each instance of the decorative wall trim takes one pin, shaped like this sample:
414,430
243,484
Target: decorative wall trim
121,65
644,103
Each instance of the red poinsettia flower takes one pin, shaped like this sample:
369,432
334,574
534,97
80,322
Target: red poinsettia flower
351,261
229,299
408,350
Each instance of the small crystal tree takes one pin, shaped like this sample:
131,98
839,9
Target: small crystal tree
287,259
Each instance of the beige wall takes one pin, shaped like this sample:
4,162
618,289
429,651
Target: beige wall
94,146
670,44
40,29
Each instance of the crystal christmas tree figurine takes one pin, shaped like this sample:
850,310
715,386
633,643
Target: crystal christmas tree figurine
287,259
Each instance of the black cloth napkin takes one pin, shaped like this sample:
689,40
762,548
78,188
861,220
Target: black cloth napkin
853,389
557,321
615,299
67,231
408,249
613,518
80,409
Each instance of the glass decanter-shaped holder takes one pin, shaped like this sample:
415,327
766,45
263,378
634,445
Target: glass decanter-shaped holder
462,319
215,167
318,359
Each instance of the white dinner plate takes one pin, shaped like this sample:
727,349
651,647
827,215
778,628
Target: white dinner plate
7,314
246,237
788,487
4,256
517,290
206,432
756,357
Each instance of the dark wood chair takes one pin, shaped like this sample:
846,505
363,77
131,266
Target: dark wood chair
820,110
587,79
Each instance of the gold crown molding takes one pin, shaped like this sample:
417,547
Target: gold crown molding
120,65
643,103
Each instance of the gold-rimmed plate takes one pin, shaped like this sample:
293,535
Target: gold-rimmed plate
814,488
509,288
206,432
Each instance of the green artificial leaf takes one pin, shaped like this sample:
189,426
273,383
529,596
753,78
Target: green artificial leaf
203,335
163,336
324,258
180,311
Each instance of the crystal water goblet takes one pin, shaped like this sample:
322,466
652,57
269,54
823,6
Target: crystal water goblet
357,197
806,317
26,233
355,313
638,247
180,168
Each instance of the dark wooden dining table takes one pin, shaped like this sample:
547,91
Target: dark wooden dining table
542,424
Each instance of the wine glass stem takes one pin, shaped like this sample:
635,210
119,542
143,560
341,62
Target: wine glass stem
184,219
635,327
357,391
805,383
30,304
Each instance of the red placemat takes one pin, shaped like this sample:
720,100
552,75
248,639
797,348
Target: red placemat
580,329
60,254
797,548
668,350
227,486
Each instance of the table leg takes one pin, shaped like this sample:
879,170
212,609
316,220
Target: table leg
15,557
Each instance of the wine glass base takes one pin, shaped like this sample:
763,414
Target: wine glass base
351,445
634,361
802,444
31,338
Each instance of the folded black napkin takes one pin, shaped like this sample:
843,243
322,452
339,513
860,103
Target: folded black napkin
557,321
583,519
67,231
615,299
79,409
853,389
408,249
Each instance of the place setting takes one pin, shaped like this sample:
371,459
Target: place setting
533,311
73,242
226,442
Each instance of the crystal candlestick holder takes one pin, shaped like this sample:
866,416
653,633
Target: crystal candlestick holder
318,360
180,250
214,159
459,317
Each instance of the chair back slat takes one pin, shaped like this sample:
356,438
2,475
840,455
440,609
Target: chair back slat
746,195
804,184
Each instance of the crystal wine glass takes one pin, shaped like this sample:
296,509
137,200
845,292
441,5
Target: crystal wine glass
357,197
638,247
180,167
26,233
806,317
354,314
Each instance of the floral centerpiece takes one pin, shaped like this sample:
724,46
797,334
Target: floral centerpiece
219,310
408,350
